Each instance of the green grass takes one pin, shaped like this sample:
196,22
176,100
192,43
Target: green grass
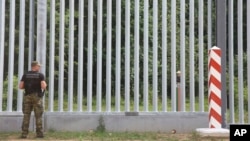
107,136
111,136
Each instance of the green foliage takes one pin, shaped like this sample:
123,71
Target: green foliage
236,95
235,81
5,92
113,40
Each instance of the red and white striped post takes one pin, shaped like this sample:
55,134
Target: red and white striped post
214,88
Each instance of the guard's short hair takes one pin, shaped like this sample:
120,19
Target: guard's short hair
35,63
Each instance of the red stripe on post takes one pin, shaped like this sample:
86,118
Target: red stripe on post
215,98
215,119
215,65
216,82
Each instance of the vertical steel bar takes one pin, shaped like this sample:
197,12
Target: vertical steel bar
21,52
136,56
240,61
90,55
182,56
52,56
209,24
155,55
109,49
173,54
127,56
191,56
71,56
11,55
41,33
145,62
164,55
201,58
80,56
221,14
2,28
99,57
118,56
31,32
231,58
248,56
61,56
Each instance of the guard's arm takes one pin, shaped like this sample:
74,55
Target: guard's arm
21,85
43,85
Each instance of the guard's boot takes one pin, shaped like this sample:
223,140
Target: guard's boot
24,135
39,134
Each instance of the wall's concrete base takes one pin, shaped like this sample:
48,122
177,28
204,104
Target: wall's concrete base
213,132
182,122
12,121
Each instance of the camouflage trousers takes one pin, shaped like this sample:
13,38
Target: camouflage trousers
32,102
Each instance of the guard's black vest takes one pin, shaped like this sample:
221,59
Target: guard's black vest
32,82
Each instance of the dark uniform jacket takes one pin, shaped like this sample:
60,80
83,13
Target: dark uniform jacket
32,82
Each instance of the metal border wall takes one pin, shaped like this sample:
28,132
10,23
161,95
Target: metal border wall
123,56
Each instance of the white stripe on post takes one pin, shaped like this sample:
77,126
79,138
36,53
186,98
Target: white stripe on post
214,89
